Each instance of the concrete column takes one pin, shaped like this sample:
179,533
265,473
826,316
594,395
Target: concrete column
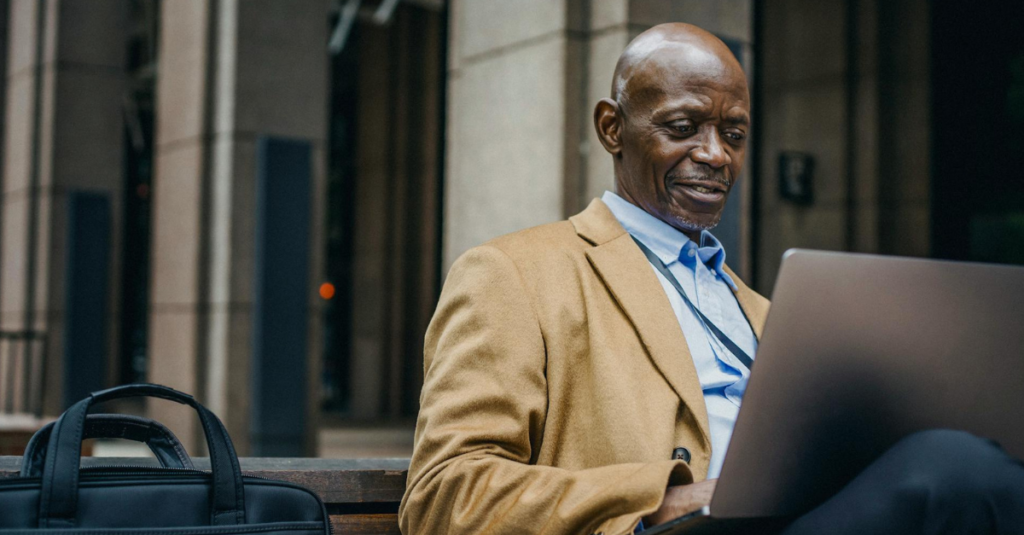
524,77
231,72
514,85
63,134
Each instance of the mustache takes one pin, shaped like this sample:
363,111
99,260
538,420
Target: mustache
717,178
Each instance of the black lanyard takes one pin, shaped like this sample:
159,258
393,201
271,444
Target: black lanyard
722,337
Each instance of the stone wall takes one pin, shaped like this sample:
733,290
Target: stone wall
62,134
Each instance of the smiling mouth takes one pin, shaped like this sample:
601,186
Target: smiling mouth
705,186
706,189
703,191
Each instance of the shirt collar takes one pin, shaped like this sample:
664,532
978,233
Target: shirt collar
668,243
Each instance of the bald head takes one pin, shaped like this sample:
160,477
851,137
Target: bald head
676,125
680,48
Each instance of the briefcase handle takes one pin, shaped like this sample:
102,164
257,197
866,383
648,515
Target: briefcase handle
58,497
161,441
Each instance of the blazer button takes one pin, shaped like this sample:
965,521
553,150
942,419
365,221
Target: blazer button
681,453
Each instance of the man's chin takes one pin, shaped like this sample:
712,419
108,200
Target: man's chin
688,216
687,223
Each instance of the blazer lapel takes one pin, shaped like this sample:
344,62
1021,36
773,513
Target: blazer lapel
625,272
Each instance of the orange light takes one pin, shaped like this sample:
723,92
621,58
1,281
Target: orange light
326,290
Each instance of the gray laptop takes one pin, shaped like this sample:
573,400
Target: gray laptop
858,352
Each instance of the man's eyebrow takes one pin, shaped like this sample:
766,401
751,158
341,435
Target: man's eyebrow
741,119
690,107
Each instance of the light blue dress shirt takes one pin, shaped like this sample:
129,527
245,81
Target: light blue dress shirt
723,378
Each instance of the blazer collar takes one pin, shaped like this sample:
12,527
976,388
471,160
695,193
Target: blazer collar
597,224
625,272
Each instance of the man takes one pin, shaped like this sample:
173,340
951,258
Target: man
570,388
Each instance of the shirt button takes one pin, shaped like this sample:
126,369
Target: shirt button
691,252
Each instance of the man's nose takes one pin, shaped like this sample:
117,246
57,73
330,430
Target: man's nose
711,151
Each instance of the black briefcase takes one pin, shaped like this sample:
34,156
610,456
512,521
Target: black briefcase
54,495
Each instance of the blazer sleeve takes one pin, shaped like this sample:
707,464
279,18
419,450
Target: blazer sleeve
482,415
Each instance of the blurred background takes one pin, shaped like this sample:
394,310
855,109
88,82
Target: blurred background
256,201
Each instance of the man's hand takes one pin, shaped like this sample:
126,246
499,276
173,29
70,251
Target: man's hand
681,500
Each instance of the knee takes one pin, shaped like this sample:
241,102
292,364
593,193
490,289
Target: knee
946,444
946,467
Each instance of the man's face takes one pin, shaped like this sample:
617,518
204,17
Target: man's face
685,121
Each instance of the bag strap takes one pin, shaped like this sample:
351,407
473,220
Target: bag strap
58,497
743,357
161,441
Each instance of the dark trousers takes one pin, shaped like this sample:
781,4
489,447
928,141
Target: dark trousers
932,482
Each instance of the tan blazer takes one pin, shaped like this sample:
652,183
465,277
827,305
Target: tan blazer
557,383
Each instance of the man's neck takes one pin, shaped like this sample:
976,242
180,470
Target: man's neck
694,235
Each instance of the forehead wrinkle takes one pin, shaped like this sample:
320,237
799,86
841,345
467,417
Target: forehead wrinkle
693,104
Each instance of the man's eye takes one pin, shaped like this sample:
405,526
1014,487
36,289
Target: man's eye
684,128
735,136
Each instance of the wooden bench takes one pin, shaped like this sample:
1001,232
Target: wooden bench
362,495
17,429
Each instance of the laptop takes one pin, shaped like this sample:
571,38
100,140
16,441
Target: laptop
858,352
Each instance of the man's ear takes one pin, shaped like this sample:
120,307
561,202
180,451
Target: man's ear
608,123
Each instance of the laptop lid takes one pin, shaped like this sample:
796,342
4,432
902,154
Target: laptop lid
860,351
